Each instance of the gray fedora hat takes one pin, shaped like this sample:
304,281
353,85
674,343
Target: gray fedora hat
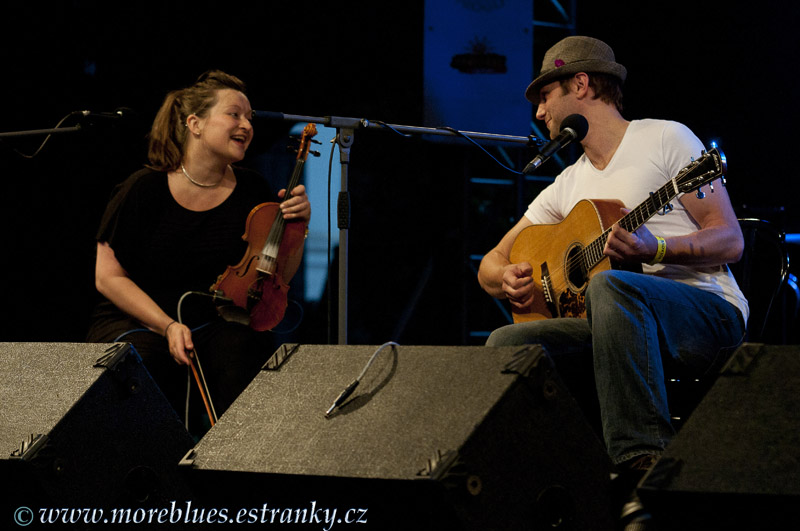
572,55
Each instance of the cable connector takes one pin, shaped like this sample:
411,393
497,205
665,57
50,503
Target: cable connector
350,388
342,397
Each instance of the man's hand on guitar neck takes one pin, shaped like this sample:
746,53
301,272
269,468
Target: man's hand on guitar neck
518,284
630,247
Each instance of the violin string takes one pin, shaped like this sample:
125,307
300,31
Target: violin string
273,241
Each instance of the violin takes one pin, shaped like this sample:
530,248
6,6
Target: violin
256,283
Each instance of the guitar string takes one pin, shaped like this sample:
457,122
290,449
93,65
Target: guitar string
591,254
579,260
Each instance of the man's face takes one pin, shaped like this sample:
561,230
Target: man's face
555,103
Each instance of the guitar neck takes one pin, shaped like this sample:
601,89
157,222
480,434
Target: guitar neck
658,200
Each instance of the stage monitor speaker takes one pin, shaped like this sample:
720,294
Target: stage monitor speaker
735,464
434,437
85,426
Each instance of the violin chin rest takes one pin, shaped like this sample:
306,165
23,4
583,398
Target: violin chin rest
234,314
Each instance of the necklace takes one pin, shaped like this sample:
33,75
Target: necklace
201,185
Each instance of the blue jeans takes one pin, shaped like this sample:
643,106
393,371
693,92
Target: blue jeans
636,325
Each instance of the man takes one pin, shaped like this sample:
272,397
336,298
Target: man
685,309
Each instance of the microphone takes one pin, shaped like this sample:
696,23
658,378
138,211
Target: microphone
268,115
574,127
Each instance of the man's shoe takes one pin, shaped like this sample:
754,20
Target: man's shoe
633,515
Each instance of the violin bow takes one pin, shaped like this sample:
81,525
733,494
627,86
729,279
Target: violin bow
200,378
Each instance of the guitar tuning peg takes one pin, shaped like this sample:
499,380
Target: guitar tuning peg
315,141
723,180
700,194
711,186
315,153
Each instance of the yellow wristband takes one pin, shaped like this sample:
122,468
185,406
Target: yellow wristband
660,251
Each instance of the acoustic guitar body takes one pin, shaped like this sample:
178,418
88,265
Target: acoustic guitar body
560,281
566,255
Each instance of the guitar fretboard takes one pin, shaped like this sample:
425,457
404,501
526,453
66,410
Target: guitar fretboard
592,254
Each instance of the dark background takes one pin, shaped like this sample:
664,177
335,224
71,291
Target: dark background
726,72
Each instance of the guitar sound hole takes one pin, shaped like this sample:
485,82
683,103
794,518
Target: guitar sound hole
575,269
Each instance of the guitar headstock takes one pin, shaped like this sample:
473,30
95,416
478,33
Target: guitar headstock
710,166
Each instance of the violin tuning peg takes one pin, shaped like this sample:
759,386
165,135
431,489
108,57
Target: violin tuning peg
315,141
315,153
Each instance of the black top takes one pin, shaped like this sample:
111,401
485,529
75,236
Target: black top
168,250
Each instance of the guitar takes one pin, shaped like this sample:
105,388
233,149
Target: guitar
567,254
256,283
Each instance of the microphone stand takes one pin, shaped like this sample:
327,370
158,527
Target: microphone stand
88,117
38,132
346,128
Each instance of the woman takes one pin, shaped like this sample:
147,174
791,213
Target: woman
172,228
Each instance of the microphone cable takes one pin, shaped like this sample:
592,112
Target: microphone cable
46,138
458,133
352,387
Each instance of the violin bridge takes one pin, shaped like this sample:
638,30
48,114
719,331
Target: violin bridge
268,261
267,265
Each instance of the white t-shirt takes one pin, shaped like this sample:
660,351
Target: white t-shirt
651,153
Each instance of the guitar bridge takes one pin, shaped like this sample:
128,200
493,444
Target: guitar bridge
547,290
548,296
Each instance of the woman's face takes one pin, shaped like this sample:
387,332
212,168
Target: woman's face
226,131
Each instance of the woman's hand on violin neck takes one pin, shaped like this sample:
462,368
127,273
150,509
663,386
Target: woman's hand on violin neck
297,207
179,338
